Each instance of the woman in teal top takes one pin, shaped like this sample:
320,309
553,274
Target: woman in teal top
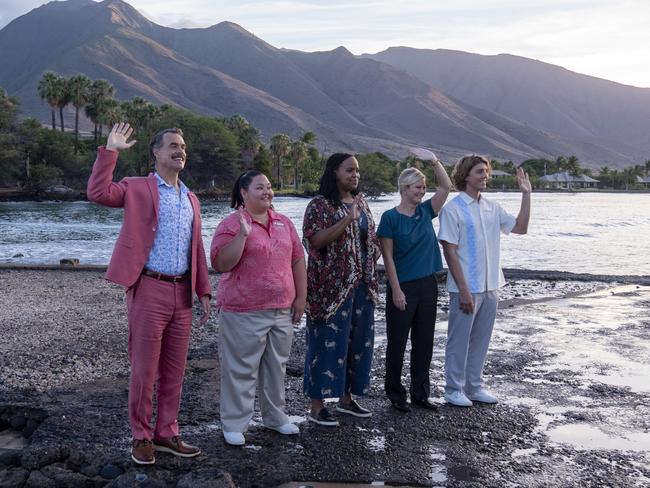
412,257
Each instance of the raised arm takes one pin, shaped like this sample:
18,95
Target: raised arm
444,186
226,258
399,299
521,226
101,188
324,237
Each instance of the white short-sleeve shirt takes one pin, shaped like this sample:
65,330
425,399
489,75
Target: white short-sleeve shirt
475,227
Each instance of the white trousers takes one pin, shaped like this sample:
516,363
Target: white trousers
252,346
468,338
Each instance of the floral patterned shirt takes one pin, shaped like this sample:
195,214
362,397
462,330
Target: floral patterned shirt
335,270
172,246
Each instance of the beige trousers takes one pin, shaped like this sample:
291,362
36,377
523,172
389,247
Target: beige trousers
253,345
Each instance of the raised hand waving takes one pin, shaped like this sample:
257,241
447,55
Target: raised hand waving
118,137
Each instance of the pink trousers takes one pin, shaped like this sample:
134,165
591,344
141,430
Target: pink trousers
160,321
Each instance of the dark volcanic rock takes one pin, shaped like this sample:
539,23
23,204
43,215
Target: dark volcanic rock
39,480
135,480
37,456
206,478
13,477
9,458
110,471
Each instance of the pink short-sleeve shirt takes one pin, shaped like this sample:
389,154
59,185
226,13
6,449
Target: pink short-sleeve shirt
263,278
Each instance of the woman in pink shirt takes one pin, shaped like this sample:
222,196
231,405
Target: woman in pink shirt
261,293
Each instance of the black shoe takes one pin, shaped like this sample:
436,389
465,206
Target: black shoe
401,406
323,417
353,408
428,403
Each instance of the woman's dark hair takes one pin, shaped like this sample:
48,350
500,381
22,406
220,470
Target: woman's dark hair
328,187
242,183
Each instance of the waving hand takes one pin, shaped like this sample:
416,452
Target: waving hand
118,138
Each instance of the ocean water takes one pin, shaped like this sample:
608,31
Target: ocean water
601,233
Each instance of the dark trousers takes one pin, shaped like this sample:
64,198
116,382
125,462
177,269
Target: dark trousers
419,319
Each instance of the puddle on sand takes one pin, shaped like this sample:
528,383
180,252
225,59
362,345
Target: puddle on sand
12,440
588,437
524,452
377,444
303,484
438,473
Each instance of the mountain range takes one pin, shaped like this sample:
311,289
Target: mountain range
452,102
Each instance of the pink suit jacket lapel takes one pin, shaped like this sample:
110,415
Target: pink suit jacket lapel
152,183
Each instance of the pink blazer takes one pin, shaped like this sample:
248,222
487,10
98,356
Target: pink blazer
139,198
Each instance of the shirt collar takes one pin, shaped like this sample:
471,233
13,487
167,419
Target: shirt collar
466,198
162,182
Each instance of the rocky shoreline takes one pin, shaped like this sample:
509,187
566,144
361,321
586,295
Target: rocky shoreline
64,373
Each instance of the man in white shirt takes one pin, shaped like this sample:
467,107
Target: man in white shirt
470,232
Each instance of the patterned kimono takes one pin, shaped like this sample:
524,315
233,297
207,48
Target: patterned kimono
341,296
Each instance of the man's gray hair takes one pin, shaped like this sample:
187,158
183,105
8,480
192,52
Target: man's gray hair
157,139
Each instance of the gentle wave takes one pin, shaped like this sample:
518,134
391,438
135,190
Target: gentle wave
583,232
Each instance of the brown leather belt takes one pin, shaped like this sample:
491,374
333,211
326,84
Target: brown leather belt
164,277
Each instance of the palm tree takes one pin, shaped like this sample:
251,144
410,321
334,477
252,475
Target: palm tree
141,114
297,154
110,114
250,144
99,93
247,135
309,138
279,148
79,87
48,90
8,110
237,124
63,91
572,165
628,177
560,164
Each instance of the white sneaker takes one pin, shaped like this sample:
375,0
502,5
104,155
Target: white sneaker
458,398
285,429
234,438
483,396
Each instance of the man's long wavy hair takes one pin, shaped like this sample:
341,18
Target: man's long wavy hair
464,166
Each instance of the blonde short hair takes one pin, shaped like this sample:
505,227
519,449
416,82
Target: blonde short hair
464,166
408,177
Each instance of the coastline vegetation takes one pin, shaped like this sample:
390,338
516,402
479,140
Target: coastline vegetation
38,158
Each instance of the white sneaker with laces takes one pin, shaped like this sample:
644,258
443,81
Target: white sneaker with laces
234,438
483,396
285,429
458,398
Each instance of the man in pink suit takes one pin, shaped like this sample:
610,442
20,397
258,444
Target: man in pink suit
159,259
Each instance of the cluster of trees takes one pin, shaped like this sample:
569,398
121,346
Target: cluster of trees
219,149
607,178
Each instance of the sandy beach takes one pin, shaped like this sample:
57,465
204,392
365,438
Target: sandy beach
569,360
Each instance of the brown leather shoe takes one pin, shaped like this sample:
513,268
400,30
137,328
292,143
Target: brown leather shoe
174,445
142,451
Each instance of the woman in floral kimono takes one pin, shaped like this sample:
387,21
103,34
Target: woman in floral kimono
339,234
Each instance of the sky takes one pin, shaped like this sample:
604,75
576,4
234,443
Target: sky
604,38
